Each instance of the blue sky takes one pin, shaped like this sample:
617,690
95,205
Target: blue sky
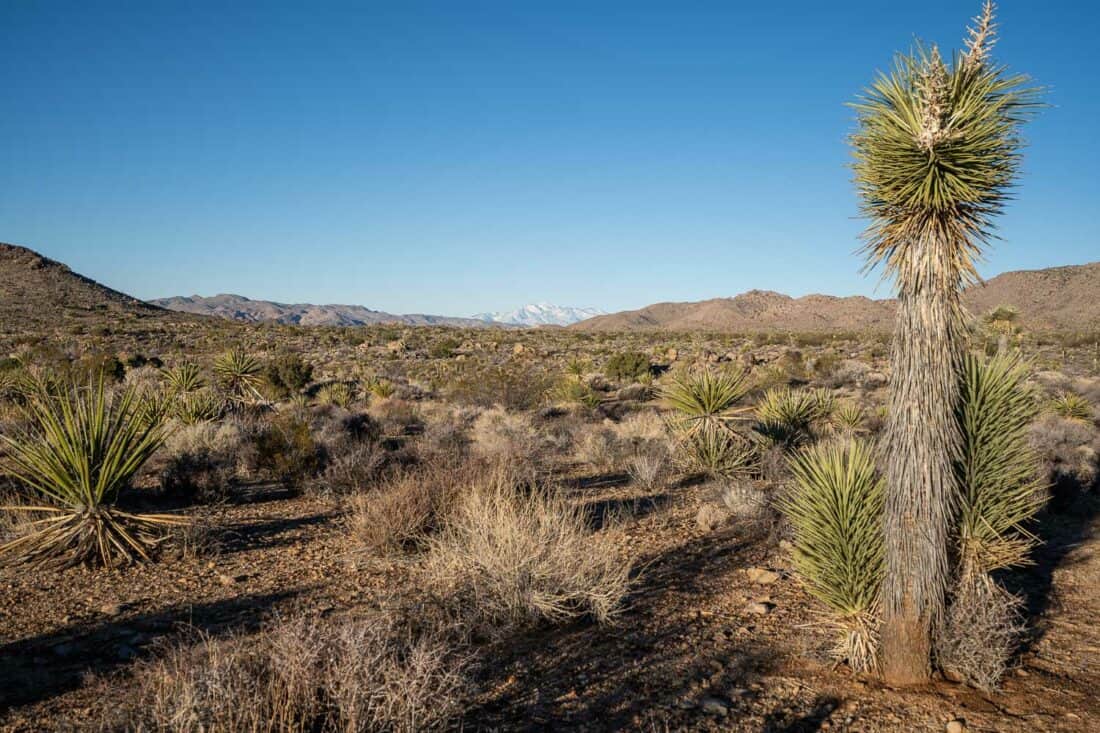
462,156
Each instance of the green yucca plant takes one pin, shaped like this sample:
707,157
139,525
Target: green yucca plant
13,385
196,407
705,400
570,390
1001,491
785,416
1072,406
937,148
155,405
336,393
183,378
79,454
825,403
835,510
999,472
381,388
577,368
848,417
716,452
239,374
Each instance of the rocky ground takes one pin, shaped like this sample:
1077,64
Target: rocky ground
717,635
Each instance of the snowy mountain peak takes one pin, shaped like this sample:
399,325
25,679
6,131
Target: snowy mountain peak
541,314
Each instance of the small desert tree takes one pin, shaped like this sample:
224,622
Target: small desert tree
936,150
1002,323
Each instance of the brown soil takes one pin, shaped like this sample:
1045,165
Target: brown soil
688,635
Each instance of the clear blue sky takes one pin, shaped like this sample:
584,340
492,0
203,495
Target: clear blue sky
453,157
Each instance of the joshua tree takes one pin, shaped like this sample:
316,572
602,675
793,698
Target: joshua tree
936,150
1002,321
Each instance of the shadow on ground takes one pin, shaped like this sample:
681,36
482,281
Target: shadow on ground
41,667
657,663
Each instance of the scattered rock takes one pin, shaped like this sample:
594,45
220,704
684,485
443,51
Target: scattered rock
714,706
761,608
956,726
761,576
110,609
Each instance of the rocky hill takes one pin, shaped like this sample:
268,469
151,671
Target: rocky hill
240,308
1058,298
37,293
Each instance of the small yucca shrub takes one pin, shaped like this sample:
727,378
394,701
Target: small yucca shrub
336,393
573,391
716,452
381,388
183,378
785,416
999,473
196,407
240,374
705,400
1001,491
80,452
848,418
835,509
1071,406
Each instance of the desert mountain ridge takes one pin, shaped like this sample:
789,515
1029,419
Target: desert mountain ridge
240,308
1057,298
35,290
38,293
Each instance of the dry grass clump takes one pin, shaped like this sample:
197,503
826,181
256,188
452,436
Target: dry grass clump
508,556
349,676
599,448
501,436
649,469
980,633
404,510
743,498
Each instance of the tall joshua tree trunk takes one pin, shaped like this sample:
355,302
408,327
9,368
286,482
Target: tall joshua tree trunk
921,444
936,150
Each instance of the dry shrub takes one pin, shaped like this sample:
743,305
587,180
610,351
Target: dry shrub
512,557
283,448
400,515
501,436
13,522
446,431
642,429
368,674
198,537
742,497
1068,448
199,462
980,633
600,448
649,470
396,416
847,373
353,456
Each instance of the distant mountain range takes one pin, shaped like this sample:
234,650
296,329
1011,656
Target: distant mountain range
541,314
1057,298
37,293
240,308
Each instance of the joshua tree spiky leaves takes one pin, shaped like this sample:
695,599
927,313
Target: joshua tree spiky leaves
936,151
